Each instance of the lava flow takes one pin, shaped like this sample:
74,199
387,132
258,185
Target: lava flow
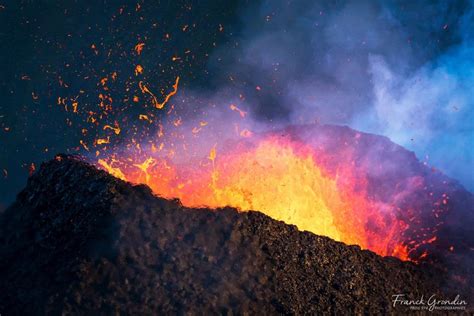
278,177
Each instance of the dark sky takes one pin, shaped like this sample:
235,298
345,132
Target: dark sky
403,69
46,53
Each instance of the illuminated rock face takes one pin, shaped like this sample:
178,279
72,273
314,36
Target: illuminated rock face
79,240
333,181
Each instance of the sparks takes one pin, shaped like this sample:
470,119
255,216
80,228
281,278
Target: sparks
116,129
139,48
172,93
233,107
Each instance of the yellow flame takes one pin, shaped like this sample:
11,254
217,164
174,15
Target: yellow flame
275,181
116,172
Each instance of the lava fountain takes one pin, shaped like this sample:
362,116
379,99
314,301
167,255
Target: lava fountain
280,177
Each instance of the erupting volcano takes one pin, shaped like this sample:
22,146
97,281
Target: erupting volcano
236,157
320,178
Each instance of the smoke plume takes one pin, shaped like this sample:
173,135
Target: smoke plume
397,68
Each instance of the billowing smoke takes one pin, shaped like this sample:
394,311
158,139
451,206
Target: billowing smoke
431,109
402,69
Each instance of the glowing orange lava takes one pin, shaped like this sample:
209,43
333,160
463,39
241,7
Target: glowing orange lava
279,178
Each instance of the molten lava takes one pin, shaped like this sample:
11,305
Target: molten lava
280,178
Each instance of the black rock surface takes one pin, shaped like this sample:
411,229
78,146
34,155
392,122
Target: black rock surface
80,241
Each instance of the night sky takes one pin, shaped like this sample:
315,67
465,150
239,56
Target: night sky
47,53
403,69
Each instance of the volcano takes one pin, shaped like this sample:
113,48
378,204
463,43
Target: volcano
353,187
78,240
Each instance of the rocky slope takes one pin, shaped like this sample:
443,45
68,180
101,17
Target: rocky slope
78,240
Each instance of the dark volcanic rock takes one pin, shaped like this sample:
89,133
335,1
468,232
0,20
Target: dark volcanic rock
78,240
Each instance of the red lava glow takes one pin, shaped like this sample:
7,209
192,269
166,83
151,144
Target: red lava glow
279,177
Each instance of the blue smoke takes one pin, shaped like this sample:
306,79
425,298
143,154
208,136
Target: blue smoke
403,69
431,110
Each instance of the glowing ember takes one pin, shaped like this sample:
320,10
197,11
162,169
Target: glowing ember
172,93
139,48
116,129
101,141
138,70
157,104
